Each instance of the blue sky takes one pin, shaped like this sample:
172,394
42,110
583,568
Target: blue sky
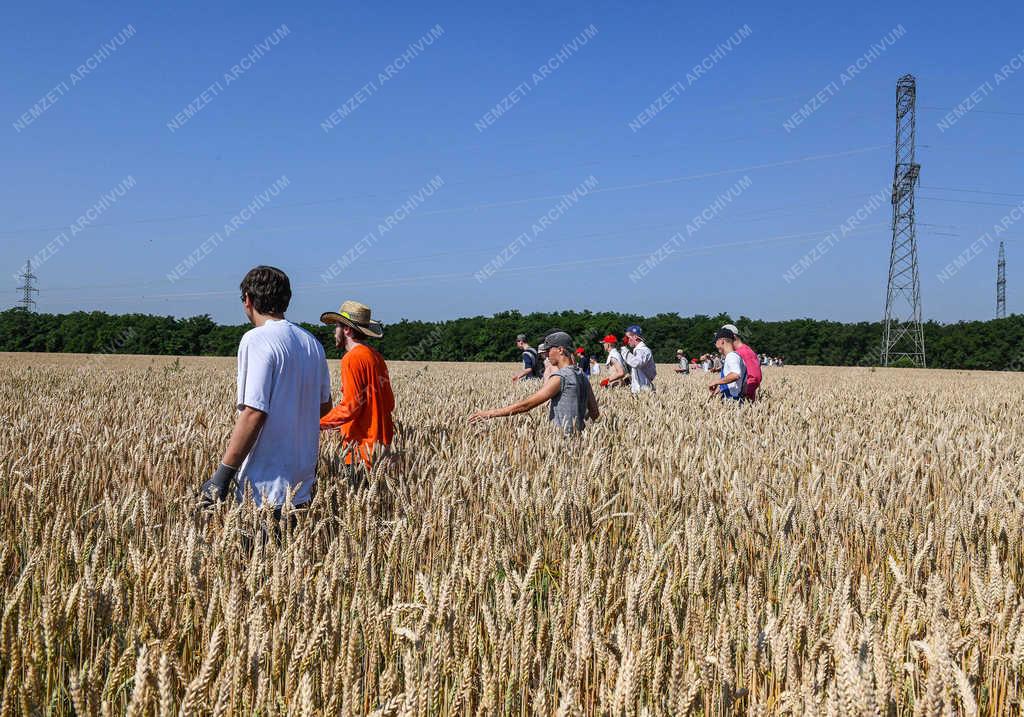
424,121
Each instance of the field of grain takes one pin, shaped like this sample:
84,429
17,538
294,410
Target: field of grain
850,545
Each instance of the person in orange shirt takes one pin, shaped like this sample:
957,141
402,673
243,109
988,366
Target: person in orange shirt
363,413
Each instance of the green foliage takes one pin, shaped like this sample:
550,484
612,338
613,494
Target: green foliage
993,345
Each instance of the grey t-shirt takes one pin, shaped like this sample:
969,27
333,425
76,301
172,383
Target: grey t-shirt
568,408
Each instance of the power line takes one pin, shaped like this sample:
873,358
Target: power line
974,191
984,112
667,180
968,201
628,230
596,261
481,205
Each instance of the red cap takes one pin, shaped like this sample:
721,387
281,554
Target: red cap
609,339
579,350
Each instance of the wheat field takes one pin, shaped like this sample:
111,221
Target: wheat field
851,545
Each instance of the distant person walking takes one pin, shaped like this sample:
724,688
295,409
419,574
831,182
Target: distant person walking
751,362
684,364
571,398
640,360
363,414
283,389
733,378
533,366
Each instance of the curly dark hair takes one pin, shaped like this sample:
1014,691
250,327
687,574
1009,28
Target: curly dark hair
269,289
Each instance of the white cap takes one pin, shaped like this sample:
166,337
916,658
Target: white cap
732,327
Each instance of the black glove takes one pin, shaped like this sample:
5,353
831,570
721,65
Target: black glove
217,488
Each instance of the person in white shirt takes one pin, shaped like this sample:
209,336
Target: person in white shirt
284,387
617,371
640,360
732,383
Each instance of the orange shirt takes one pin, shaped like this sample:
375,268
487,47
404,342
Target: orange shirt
363,415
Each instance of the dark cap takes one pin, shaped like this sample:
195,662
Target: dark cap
521,337
560,339
725,334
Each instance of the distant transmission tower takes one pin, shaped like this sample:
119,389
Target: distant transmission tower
1001,283
27,289
903,336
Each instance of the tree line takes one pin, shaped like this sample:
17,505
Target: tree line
997,344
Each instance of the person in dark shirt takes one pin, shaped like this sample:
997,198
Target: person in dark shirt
582,361
533,365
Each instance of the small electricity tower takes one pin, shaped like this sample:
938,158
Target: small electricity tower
1001,283
903,335
27,302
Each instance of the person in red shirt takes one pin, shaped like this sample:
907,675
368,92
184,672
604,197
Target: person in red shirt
750,360
363,413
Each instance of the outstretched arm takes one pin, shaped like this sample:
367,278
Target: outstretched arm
546,393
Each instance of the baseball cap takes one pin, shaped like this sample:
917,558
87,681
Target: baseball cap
724,333
579,349
560,339
543,348
732,327
679,351
610,339
634,329
521,337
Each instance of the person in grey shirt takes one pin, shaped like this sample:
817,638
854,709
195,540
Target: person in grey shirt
567,388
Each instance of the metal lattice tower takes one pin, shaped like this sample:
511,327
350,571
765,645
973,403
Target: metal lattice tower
1001,283
27,289
903,335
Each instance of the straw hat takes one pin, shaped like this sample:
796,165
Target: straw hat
356,315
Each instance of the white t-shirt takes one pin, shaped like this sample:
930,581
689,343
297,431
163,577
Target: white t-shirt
615,359
282,371
733,364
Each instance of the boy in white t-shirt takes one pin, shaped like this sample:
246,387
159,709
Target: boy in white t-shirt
616,371
284,387
733,378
